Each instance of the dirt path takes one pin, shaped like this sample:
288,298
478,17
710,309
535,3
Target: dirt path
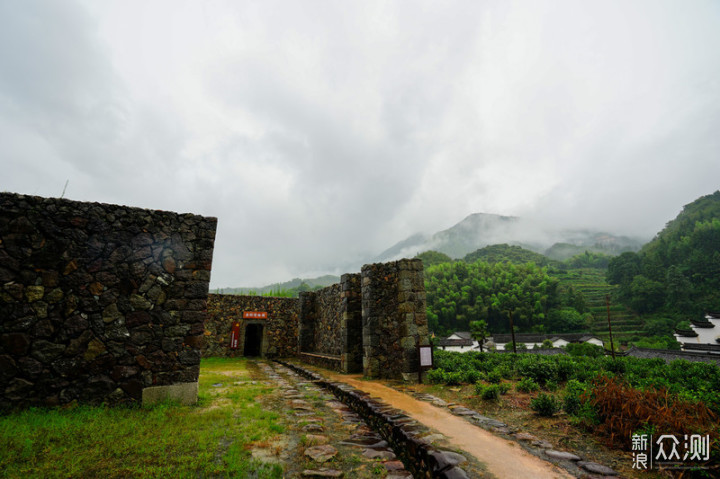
503,458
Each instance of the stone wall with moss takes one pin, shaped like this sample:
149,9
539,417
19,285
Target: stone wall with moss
394,321
98,301
280,328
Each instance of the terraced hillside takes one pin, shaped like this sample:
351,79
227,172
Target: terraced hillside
591,283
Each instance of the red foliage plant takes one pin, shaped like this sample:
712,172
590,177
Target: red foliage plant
623,411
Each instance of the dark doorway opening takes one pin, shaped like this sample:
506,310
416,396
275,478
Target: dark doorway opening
253,339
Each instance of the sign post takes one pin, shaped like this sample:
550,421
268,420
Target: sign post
425,354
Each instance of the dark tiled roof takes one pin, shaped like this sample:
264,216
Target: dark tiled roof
671,355
541,352
455,342
539,338
463,334
709,348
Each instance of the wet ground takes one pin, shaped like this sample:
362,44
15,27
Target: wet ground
501,457
324,438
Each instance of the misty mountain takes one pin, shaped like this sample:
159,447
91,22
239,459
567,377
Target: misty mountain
482,229
313,283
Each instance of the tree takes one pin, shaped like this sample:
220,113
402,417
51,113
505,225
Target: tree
431,258
479,332
622,269
646,295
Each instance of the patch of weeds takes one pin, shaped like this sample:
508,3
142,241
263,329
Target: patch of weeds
378,469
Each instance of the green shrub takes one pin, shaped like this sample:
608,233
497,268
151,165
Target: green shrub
495,376
436,376
545,405
506,371
538,368
454,378
585,349
471,376
571,400
551,386
518,346
488,392
527,385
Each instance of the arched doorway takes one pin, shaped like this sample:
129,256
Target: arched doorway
253,339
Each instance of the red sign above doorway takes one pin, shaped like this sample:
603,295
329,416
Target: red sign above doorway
254,315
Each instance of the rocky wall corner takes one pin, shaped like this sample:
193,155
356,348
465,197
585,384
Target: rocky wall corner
394,321
98,302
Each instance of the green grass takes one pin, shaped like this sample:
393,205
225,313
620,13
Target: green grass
165,440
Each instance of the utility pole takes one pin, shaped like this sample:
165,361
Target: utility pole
512,332
612,344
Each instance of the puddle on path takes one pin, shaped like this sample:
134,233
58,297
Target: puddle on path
503,458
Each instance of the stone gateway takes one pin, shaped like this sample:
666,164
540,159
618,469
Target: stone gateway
371,322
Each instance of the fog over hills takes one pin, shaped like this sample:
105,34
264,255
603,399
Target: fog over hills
482,229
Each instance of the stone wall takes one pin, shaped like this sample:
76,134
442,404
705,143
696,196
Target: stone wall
326,333
351,324
98,302
394,320
280,329
370,322
331,326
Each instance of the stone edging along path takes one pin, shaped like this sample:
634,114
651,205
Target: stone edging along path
396,429
323,449
392,425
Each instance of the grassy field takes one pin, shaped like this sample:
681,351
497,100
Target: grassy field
167,440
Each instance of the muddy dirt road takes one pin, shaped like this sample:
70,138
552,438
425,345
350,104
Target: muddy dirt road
503,458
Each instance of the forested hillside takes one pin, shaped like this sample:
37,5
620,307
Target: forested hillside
499,253
678,272
459,292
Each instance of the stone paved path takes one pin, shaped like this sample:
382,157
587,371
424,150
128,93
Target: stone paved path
503,458
331,440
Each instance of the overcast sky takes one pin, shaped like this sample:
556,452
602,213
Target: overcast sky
320,133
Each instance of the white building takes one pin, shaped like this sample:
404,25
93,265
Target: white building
460,342
532,340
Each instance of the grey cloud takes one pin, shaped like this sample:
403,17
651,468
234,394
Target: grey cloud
321,133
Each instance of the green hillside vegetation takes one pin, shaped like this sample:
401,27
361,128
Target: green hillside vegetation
431,258
677,274
289,289
458,293
575,301
501,253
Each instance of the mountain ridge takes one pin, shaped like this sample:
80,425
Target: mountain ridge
478,230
